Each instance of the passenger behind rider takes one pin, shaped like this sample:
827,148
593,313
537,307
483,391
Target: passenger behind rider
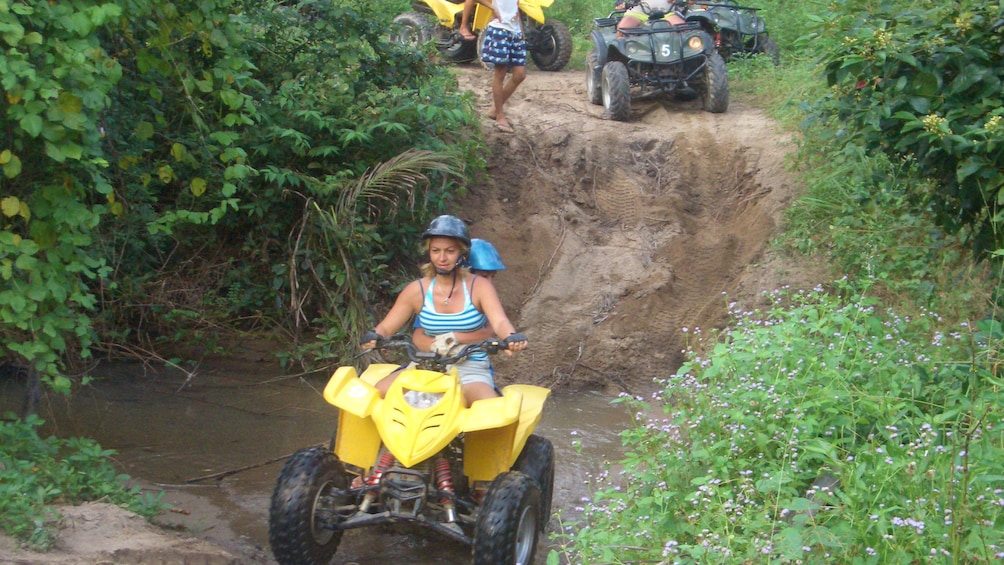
639,11
484,262
448,299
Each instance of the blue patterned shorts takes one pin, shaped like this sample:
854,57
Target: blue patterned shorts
503,48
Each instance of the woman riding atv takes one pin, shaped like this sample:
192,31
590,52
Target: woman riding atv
448,299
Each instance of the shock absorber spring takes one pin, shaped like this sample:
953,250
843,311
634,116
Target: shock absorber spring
444,482
386,460
384,463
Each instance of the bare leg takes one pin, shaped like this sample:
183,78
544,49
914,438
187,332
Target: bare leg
478,391
465,21
383,385
503,90
628,22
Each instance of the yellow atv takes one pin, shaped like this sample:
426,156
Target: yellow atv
478,475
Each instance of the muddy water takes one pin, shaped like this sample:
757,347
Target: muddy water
244,421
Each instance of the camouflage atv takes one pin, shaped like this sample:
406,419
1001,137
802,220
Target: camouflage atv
652,60
738,30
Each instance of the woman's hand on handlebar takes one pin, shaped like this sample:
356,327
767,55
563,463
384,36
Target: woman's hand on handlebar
515,342
370,339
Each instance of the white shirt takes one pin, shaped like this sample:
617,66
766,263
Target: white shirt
509,10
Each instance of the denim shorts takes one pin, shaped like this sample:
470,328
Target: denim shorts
475,372
470,372
503,48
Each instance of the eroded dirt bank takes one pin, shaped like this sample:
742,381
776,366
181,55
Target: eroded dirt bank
619,235
616,237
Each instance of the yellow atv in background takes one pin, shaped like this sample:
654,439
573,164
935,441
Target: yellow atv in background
478,475
548,41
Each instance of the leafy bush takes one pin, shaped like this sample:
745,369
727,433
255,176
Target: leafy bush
193,145
37,473
823,429
924,84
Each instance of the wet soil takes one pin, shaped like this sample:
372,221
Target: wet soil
620,239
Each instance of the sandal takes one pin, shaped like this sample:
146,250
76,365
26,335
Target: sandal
504,127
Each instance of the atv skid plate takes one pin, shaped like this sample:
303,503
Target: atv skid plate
401,495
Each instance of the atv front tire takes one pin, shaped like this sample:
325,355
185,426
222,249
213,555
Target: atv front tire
506,531
411,28
616,91
303,508
537,461
715,96
594,79
458,51
554,52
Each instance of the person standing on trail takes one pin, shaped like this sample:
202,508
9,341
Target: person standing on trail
505,48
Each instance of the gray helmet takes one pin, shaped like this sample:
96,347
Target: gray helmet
448,226
484,257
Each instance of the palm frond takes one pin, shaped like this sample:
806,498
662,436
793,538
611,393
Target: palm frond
396,179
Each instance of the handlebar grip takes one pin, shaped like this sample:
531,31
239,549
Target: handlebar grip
370,336
512,338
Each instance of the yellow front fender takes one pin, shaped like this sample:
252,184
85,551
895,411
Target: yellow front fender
446,12
350,393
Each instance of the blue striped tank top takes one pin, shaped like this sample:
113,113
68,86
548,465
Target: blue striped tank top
467,320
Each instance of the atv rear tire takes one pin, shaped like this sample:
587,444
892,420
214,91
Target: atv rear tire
301,507
537,461
616,91
554,52
411,28
506,531
594,79
715,96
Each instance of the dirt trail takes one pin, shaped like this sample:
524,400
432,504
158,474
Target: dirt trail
616,236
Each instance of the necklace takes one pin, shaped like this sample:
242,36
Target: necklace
452,286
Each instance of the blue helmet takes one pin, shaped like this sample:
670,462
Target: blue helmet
484,257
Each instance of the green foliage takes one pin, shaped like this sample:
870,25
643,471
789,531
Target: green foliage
822,429
923,84
178,151
859,212
36,473
55,77
311,97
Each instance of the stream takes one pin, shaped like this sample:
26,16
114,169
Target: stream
243,422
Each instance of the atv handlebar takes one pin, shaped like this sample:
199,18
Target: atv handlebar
435,361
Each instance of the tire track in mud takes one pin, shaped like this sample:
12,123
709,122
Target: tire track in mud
619,234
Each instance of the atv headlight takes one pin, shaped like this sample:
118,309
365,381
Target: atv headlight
695,43
632,48
422,400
